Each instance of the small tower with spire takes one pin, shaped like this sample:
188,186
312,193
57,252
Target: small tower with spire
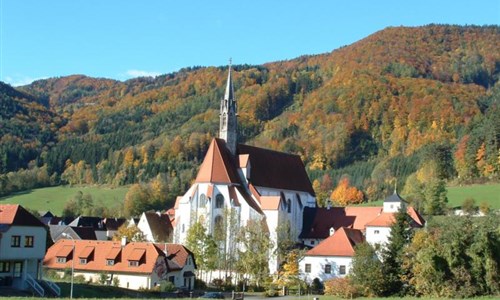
228,113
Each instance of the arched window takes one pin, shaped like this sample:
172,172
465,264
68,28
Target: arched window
218,226
219,201
202,201
289,205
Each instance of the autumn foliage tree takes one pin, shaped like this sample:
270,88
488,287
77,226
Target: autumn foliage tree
344,194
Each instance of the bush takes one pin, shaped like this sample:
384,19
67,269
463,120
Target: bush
316,286
200,284
79,279
116,281
51,274
167,286
271,293
340,287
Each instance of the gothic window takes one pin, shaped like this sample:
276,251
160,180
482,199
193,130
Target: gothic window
289,205
203,200
219,201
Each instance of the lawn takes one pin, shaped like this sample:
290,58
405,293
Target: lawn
54,198
481,193
457,194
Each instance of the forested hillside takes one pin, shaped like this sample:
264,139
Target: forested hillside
413,103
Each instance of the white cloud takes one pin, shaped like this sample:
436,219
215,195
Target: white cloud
141,73
20,80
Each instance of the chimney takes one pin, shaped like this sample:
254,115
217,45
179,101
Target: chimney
328,204
124,241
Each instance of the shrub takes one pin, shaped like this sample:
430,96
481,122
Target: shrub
200,284
116,281
80,279
167,286
271,293
340,287
316,285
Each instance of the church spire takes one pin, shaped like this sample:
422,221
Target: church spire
228,112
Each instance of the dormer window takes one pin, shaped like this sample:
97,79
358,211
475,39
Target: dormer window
133,263
61,260
83,261
110,262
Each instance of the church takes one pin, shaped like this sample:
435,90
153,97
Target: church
251,183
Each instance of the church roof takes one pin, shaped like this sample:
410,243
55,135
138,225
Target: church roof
341,243
277,170
218,165
395,197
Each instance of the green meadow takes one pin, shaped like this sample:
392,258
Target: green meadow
54,198
489,193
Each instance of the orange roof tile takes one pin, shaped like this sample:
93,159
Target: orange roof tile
218,165
341,243
210,191
382,220
176,253
243,159
136,254
103,250
177,200
64,251
270,202
415,216
14,214
86,252
113,253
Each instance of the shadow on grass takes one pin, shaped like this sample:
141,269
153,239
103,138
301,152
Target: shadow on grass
16,194
82,290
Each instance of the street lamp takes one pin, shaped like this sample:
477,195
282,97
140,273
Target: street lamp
72,263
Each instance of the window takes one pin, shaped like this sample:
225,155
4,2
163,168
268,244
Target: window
110,262
4,266
289,206
219,201
15,241
28,241
171,279
203,201
183,228
342,270
133,263
83,261
376,232
313,242
18,269
61,260
308,268
328,269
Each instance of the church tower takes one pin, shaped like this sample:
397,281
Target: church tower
228,113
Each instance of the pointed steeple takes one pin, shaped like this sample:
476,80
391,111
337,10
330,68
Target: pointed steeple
228,113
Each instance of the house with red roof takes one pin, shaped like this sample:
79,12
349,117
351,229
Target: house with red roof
334,232
156,227
135,265
22,248
251,183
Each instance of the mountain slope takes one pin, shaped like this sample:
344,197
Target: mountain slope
382,100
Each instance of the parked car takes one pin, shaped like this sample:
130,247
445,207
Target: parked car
213,295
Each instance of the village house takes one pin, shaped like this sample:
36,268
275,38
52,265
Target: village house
135,265
22,248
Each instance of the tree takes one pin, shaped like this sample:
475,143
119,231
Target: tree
435,197
469,206
254,247
344,194
132,233
196,242
137,200
289,275
393,253
366,272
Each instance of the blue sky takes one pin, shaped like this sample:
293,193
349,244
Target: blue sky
121,39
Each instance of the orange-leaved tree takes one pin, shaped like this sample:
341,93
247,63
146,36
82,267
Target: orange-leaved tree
344,194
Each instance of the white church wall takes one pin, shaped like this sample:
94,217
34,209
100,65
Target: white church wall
377,235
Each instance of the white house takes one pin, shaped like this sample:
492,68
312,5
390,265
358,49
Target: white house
247,182
155,226
22,248
332,257
181,265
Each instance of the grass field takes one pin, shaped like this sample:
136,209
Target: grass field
487,192
54,198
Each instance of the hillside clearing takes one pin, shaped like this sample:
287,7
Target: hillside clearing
54,198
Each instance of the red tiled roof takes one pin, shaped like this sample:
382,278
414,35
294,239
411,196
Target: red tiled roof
218,165
176,253
341,243
103,250
270,202
136,254
160,225
382,220
243,159
15,214
113,253
86,252
277,170
416,216
210,191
